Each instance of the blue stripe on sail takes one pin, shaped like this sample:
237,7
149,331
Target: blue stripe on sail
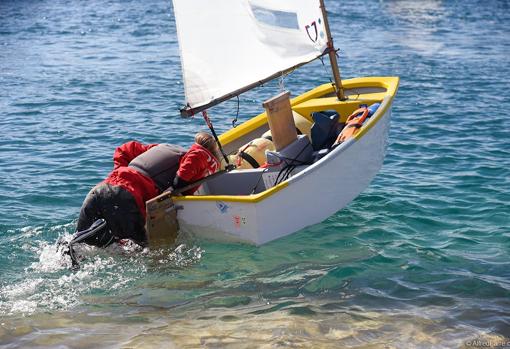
275,18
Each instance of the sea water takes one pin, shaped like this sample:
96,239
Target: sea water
420,259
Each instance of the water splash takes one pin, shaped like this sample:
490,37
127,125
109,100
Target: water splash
49,284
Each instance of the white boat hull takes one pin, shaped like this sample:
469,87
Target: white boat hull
310,197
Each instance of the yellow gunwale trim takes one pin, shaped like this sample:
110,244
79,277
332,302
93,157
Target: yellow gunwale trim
388,83
234,198
391,85
261,119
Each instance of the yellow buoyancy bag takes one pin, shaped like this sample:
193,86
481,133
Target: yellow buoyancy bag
253,154
303,126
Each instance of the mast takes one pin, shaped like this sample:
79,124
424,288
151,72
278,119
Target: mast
339,89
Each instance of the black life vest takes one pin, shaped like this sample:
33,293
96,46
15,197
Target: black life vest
160,163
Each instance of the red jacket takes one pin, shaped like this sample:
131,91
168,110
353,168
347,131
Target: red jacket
197,163
141,187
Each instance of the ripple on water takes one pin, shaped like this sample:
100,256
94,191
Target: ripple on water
419,259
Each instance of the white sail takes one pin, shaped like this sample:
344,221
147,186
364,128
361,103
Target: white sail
232,45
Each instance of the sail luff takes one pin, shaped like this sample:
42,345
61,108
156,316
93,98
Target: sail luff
180,40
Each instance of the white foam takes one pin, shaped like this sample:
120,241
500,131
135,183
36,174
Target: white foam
49,284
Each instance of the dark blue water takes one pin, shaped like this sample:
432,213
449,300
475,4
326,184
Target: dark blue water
420,259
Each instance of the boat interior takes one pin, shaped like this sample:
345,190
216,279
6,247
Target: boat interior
319,118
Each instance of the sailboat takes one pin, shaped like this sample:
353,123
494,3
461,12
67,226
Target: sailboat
229,47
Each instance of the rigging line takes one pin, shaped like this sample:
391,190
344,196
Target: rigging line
285,171
288,172
211,127
325,70
234,121
290,164
295,159
260,177
277,180
281,80
282,171
281,83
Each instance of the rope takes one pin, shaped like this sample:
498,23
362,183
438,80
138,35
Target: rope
234,121
325,70
281,83
211,127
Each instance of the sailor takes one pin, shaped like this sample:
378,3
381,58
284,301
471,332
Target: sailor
140,173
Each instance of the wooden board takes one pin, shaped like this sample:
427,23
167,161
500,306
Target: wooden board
280,120
161,222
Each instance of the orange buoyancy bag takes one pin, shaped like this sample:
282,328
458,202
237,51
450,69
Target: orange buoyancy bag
353,124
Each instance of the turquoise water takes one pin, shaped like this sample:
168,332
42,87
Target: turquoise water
419,259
